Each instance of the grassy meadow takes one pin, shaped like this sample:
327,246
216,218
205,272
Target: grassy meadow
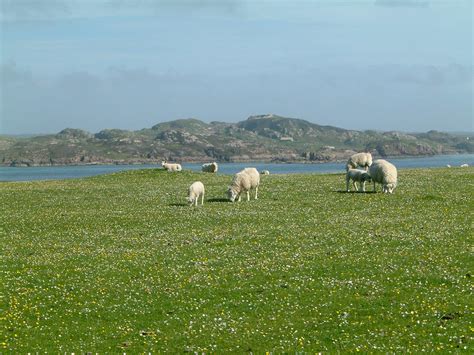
121,263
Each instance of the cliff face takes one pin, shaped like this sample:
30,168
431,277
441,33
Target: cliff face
259,138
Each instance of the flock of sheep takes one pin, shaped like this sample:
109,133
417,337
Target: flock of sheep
243,182
378,171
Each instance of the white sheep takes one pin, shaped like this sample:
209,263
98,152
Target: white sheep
243,181
171,167
210,167
264,172
385,173
357,175
464,165
195,190
359,159
448,166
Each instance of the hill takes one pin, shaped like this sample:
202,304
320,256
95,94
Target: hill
259,138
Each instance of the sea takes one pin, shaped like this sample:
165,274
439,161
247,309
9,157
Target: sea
78,171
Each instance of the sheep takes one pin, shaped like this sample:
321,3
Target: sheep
448,166
464,165
195,190
243,181
385,173
171,167
359,159
264,172
210,167
357,175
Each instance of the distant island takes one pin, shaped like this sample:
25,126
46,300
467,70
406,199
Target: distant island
266,138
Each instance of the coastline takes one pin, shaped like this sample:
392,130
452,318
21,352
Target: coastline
27,164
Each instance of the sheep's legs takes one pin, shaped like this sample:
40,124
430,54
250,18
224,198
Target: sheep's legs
196,201
248,195
256,192
202,199
363,186
355,186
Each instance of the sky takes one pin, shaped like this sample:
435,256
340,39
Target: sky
402,65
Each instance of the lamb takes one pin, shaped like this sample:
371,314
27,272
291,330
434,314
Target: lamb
264,172
357,175
385,173
243,181
195,190
171,167
210,167
359,159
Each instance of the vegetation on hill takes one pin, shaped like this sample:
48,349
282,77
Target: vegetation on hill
262,138
121,263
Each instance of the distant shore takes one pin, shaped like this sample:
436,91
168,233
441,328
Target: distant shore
26,163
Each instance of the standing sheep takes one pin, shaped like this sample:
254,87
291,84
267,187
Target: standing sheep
357,175
195,190
210,167
359,159
243,181
265,172
171,167
385,173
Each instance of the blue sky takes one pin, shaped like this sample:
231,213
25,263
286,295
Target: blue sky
383,64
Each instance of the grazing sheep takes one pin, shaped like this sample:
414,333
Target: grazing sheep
359,159
171,167
243,181
357,175
448,166
464,165
195,190
264,172
385,173
210,167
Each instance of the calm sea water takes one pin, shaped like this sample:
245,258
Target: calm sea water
67,172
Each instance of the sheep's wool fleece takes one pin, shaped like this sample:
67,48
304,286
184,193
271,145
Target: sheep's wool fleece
246,179
383,172
359,159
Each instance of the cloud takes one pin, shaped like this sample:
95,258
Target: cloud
407,97
10,74
402,3
431,75
190,7
19,10
33,9
121,98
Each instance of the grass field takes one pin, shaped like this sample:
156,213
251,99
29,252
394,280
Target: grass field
120,263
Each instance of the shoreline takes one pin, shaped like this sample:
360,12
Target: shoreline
199,161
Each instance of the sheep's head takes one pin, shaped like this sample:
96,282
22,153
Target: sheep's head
231,194
391,187
366,177
163,163
190,200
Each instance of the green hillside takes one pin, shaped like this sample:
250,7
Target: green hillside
259,138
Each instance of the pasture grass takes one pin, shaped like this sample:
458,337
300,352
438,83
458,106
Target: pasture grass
120,263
